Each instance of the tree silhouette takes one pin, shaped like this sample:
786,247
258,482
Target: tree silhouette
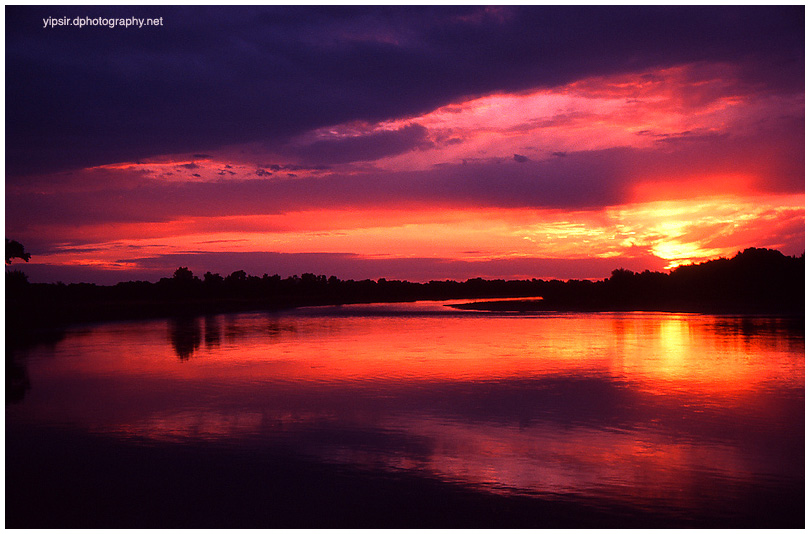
183,275
15,249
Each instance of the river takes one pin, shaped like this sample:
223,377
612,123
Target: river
410,415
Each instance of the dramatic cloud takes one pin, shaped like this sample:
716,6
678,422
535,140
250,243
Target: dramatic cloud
423,142
211,76
770,161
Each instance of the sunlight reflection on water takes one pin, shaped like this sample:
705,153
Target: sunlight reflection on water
653,409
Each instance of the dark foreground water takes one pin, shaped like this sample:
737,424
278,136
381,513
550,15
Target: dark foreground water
410,415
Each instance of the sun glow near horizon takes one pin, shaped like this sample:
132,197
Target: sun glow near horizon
659,168
676,231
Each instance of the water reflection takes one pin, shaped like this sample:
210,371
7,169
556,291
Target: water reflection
17,349
185,335
213,331
17,381
655,410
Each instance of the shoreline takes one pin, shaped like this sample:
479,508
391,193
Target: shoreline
35,321
529,306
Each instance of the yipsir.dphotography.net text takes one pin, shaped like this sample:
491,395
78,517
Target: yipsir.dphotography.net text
117,22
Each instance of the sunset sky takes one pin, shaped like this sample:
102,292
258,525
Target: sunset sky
408,143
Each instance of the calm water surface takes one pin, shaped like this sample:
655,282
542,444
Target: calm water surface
678,416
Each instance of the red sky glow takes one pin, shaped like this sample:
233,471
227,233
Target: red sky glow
652,167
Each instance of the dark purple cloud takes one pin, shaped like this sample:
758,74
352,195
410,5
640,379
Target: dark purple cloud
214,76
590,180
362,147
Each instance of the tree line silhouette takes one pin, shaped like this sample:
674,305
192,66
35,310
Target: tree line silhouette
753,281
756,280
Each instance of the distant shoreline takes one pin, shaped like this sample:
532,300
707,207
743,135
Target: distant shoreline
754,282
534,305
